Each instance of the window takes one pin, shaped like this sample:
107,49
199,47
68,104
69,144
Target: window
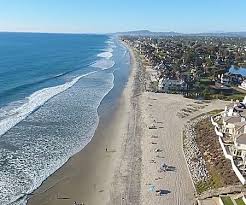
239,152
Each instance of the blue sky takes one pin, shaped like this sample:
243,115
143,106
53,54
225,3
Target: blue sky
101,16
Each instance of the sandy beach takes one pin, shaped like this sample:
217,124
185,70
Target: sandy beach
164,145
129,171
90,176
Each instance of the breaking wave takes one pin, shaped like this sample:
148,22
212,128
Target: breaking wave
33,102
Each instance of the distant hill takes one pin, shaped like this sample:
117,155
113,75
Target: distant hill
148,33
160,34
225,34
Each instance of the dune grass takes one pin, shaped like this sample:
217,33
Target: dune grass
239,201
227,200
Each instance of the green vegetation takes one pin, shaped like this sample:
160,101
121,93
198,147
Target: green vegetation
197,116
205,81
203,186
235,96
200,63
206,94
219,168
154,86
215,181
227,200
240,201
215,112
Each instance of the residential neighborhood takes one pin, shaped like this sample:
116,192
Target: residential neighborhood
204,68
196,66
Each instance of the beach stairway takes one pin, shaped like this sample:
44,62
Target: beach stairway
229,199
232,200
209,201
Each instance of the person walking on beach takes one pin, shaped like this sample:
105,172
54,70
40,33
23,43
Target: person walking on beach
164,167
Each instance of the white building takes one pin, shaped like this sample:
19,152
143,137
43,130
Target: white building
168,85
243,85
232,136
230,124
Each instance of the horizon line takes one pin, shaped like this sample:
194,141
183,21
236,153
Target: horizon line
129,31
48,32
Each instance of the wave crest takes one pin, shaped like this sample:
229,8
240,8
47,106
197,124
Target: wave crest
105,62
106,54
34,101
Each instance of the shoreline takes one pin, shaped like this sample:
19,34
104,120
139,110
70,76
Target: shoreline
87,176
161,123
129,169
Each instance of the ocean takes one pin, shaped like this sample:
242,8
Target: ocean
53,89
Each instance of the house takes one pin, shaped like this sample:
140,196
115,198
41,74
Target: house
230,124
230,109
243,114
220,88
243,85
169,85
224,79
231,130
235,78
239,150
240,142
239,128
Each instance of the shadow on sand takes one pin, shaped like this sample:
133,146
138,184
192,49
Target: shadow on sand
162,192
171,169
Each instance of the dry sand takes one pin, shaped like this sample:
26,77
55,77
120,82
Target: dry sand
164,111
124,174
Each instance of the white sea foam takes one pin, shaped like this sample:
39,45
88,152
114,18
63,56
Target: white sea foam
38,177
110,49
103,64
33,102
110,42
106,54
125,53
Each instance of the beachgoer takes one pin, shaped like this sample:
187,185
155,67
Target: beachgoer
164,167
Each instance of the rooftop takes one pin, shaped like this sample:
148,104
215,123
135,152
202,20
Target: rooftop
232,119
241,138
243,113
239,125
